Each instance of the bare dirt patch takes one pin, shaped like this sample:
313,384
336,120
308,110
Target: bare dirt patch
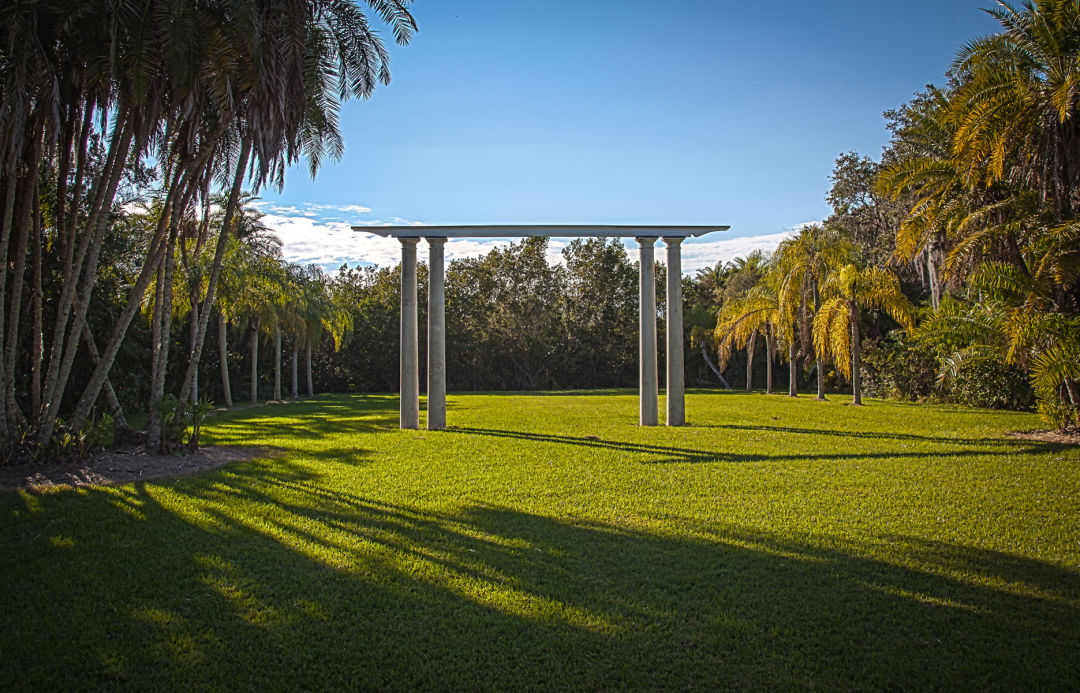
1070,436
121,465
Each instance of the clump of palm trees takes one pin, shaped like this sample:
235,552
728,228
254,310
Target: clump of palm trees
200,100
989,167
807,299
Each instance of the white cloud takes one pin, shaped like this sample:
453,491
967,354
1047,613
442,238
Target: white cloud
332,243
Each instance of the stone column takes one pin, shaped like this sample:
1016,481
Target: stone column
647,386
676,389
436,352
410,365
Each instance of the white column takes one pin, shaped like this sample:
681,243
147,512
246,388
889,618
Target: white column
647,387
676,389
436,352
410,366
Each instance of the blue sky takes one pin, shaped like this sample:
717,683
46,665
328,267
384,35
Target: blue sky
616,112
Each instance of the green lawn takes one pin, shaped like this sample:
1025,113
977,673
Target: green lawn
548,542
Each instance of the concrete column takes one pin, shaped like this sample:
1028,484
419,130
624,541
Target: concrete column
676,389
410,365
647,395
436,352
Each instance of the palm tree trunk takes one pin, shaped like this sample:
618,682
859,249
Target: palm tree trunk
294,391
193,333
856,376
820,365
277,363
163,337
770,348
63,348
36,336
255,361
307,358
219,257
153,419
750,361
115,410
792,369
223,358
22,224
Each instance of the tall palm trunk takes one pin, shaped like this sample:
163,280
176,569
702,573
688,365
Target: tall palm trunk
255,360
820,365
294,390
77,286
36,336
163,332
307,359
856,356
193,330
223,358
277,363
770,349
750,361
792,369
219,259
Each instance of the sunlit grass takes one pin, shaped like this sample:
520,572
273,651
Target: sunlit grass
545,541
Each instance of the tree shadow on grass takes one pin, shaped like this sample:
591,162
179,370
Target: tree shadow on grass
268,579
658,454
884,435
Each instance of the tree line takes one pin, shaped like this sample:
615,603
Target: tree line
132,137
184,104
971,213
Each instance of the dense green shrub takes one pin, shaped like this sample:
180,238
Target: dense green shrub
897,367
991,385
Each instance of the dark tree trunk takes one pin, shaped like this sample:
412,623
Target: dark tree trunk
770,348
856,376
793,369
294,390
750,361
255,361
223,357
277,363
307,358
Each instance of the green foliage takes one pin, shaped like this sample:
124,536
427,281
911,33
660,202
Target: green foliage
991,385
73,446
181,426
899,367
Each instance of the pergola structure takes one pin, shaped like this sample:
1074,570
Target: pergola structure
436,237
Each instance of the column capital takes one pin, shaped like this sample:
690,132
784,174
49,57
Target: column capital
646,240
435,240
673,240
407,242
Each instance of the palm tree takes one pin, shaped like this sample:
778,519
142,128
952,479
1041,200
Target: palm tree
847,291
1017,103
746,273
801,265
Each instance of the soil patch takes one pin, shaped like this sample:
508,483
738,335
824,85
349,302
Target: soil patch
1070,436
121,465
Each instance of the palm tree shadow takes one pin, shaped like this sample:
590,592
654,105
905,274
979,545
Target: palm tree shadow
660,454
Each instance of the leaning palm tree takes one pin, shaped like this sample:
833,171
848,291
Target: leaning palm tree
847,291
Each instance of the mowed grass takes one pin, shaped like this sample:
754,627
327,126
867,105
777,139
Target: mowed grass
546,541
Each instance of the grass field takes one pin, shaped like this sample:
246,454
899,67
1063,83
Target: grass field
545,541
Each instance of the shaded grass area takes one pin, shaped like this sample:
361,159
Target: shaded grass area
548,542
